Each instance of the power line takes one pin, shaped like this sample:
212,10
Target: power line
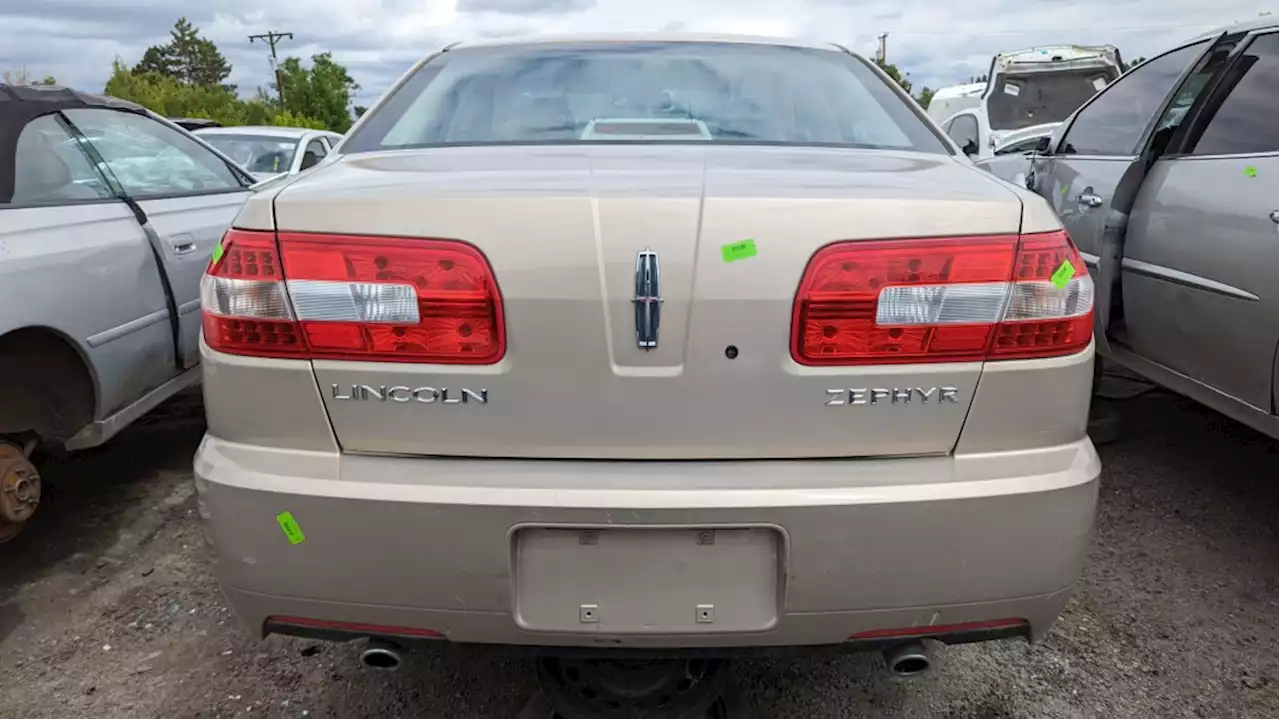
271,38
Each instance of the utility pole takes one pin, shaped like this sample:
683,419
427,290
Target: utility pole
271,38
883,38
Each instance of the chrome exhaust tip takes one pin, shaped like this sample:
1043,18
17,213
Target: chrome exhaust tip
907,660
381,655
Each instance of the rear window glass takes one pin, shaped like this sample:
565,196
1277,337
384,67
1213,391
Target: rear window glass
645,92
1020,101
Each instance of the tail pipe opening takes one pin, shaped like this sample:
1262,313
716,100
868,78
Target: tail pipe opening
381,655
907,659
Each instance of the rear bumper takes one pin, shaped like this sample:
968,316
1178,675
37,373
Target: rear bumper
862,545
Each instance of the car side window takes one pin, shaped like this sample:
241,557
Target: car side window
1245,120
314,153
1018,148
964,130
150,159
1112,124
49,168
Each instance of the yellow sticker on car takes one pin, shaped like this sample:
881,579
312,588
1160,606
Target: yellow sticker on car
1063,274
290,527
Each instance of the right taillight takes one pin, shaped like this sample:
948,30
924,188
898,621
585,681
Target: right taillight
352,297
943,300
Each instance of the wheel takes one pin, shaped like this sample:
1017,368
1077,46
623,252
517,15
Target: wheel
631,689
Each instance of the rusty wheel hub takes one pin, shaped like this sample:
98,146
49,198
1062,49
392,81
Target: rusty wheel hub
19,490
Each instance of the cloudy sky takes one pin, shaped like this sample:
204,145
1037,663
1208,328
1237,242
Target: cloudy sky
938,42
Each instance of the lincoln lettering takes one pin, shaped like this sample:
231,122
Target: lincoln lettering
893,395
404,395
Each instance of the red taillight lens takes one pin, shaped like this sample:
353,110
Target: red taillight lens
942,300
359,298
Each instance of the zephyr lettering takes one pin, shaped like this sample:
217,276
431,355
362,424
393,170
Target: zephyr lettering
893,395
401,394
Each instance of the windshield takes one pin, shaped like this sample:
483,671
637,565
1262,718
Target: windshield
650,92
1019,101
256,153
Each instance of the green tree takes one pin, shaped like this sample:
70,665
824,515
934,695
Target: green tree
155,60
168,96
898,76
1133,63
188,58
322,91
925,97
358,111
288,119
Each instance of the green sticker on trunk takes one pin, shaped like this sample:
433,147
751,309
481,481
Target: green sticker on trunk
217,253
735,251
1250,171
1063,274
291,529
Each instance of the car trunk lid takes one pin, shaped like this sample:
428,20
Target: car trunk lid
731,229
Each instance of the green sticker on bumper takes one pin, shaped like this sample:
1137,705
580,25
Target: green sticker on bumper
735,251
1063,274
1250,171
291,529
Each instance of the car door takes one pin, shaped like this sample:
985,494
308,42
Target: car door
74,260
189,197
1095,147
1200,257
963,130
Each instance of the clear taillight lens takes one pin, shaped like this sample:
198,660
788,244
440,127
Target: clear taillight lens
348,297
942,300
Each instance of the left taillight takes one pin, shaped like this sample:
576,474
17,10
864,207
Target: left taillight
374,299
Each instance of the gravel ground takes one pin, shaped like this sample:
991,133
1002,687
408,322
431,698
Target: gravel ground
107,608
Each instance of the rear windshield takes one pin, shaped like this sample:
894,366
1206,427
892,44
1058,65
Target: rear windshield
644,92
1019,101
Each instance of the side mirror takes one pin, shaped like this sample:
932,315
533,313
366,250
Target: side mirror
970,148
309,159
1042,146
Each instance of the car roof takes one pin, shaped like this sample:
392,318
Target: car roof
20,104
1261,23
653,37
264,130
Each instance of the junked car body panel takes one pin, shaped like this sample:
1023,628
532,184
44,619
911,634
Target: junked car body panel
1168,182
108,215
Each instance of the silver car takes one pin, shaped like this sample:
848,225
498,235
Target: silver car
269,152
107,219
1168,181
656,344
